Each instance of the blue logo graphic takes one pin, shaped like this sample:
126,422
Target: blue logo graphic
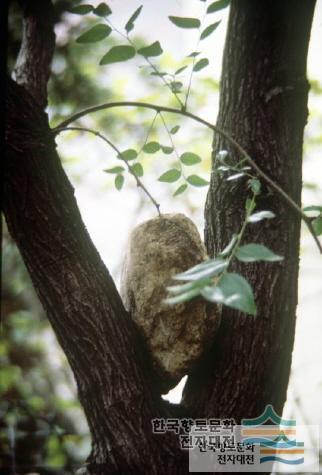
277,440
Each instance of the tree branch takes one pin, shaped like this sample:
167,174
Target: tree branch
105,351
215,128
139,182
80,298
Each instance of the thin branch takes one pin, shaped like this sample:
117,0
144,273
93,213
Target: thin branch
106,140
149,132
216,129
147,60
194,58
165,82
170,137
173,145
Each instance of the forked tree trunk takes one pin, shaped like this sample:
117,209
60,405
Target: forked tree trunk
263,106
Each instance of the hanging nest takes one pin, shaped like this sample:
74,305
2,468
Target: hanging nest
176,335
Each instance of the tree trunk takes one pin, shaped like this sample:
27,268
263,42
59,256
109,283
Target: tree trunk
263,106
80,298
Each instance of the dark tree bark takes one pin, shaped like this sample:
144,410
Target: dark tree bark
263,106
79,296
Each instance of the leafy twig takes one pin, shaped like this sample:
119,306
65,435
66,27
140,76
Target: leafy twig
163,79
211,126
169,135
194,59
241,233
149,132
173,144
155,69
139,183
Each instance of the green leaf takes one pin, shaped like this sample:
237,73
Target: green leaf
129,154
185,22
81,9
174,129
206,269
153,50
196,180
170,176
210,29
181,189
216,6
102,10
180,70
179,289
232,290
193,54
256,252
117,54
114,170
227,250
137,169
151,147
317,225
255,186
254,218
167,150
176,86
313,208
119,182
130,24
310,186
189,158
202,63
184,297
158,73
97,33
236,176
